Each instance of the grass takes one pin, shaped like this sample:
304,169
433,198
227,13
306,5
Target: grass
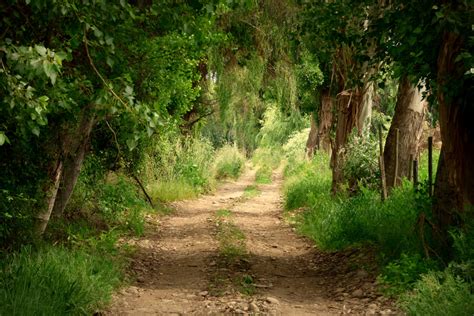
57,281
231,265
339,222
229,163
171,190
251,191
264,175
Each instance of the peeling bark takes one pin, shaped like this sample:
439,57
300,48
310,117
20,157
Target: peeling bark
349,106
312,138
323,140
42,219
454,186
74,148
408,119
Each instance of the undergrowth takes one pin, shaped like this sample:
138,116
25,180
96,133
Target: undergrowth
57,281
229,162
423,285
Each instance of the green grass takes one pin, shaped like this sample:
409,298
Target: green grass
229,163
440,293
223,213
263,175
168,191
57,281
251,191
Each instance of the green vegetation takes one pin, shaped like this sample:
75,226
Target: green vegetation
251,191
57,281
229,163
231,262
110,109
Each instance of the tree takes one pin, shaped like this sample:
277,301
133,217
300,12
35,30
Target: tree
408,120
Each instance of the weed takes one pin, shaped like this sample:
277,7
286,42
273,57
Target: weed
440,293
231,242
264,175
171,190
223,213
251,191
229,162
56,281
247,285
401,275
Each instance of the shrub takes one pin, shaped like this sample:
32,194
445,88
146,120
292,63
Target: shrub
267,156
440,293
229,162
361,165
401,275
56,281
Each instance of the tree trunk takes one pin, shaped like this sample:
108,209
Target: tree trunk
365,116
42,219
454,187
408,119
323,140
312,137
349,106
74,149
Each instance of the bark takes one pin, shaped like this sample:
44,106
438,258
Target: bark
74,147
408,119
349,106
312,137
454,186
323,140
365,115
42,219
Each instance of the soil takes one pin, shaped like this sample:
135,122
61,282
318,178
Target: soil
179,270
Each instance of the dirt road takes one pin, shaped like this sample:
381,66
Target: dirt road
181,267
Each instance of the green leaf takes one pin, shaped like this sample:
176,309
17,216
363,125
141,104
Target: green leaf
131,143
41,50
35,130
3,139
110,62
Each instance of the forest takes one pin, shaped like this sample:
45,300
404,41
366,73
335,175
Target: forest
135,132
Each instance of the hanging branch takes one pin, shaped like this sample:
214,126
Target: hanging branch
106,84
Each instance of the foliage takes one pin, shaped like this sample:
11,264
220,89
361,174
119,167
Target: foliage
401,275
440,293
361,163
57,281
176,167
229,162
277,127
341,221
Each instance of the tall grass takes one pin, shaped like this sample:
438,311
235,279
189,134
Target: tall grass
56,281
229,162
178,167
392,226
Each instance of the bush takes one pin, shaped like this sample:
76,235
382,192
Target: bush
56,281
178,160
338,222
401,275
267,156
361,165
440,293
229,162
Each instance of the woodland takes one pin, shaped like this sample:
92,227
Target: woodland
110,111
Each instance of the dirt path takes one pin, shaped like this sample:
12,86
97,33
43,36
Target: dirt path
179,266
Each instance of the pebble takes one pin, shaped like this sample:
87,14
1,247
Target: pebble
254,307
204,293
272,300
362,274
358,293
